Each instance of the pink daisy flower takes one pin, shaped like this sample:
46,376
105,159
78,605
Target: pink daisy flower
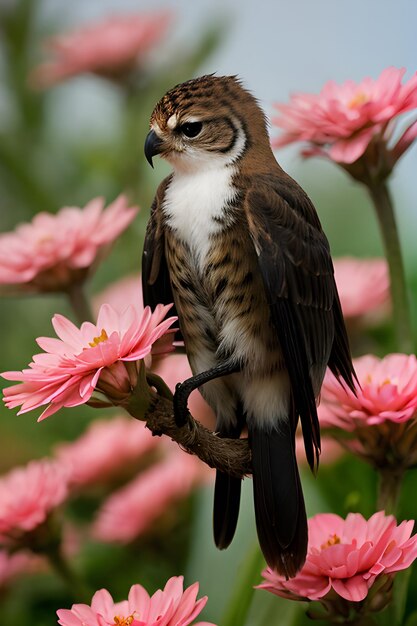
52,252
28,495
134,509
102,356
363,286
347,557
388,392
379,423
107,48
172,368
171,606
108,448
342,120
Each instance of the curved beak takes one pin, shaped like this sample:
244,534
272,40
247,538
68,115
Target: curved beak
153,146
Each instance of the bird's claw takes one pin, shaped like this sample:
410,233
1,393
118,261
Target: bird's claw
180,405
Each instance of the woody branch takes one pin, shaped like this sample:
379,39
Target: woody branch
231,456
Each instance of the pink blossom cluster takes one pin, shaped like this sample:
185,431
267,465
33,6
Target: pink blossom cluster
101,355
171,606
363,286
28,495
133,509
108,48
55,250
105,450
16,564
347,557
378,423
387,392
342,120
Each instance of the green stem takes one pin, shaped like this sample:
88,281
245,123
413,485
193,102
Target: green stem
70,578
389,489
79,303
401,309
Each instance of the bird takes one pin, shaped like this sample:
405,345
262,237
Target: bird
237,245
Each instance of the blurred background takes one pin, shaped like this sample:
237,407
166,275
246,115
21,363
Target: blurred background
66,143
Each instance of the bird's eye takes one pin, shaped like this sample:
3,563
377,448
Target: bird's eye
191,129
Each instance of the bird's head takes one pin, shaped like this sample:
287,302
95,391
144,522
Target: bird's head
207,122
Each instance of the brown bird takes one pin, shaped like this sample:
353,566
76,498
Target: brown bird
237,245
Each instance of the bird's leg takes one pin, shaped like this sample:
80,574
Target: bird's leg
183,390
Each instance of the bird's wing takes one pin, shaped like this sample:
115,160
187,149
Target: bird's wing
156,284
297,271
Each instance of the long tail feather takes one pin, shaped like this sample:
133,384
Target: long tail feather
227,492
226,508
279,504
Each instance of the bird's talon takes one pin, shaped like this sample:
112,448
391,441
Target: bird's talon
180,407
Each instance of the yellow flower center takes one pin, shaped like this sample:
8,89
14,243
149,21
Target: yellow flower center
332,541
358,100
103,337
123,621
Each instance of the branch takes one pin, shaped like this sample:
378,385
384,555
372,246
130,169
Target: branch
231,456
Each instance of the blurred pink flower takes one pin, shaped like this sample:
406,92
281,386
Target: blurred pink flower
28,495
108,48
102,356
120,294
105,450
379,423
331,451
17,564
133,509
363,286
348,557
388,393
171,606
342,120
54,251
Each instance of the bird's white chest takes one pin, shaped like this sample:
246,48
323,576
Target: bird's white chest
195,205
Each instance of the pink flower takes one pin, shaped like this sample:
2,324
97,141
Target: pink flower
54,251
331,451
388,392
172,368
28,495
105,450
363,285
17,564
134,509
347,557
108,48
342,120
171,606
379,423
103,356
119,295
